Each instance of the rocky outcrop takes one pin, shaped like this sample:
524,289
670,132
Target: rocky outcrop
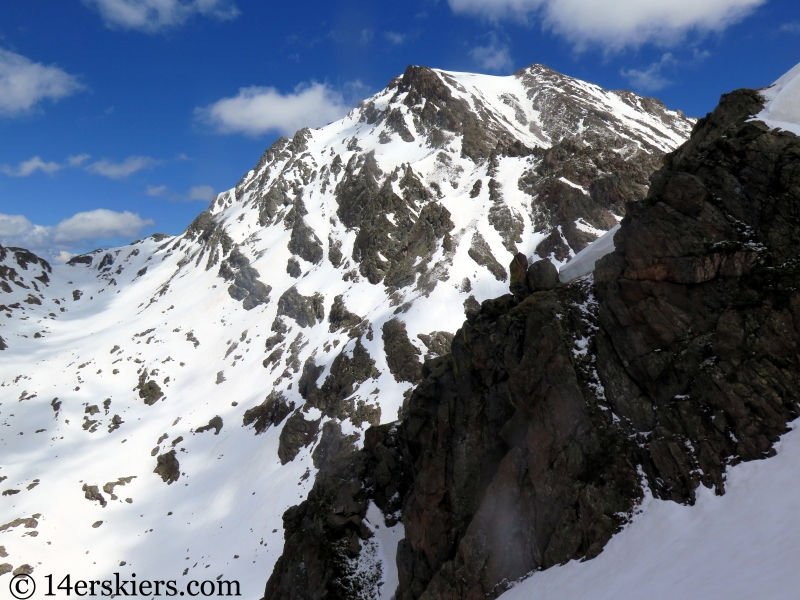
348,371
272,411
529,444
305,310
245,283
401,354
325,534
481,253
167,467
296,433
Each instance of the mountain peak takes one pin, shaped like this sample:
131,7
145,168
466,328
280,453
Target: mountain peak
302,301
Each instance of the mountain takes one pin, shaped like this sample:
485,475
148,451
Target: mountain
565,412
164,403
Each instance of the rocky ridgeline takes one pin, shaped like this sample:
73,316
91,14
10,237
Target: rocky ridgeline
529,445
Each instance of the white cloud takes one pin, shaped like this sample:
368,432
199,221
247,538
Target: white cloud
201,192
198,192
152,16
81,229
123,169
77,160
394,37
106,168
156,190
24,83
493,57
29,167
257,110
792,27
615,24
650,79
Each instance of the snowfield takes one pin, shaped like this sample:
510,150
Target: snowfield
782,109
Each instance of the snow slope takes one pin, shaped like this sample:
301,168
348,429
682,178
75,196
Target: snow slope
85,348
584,261
739,546
782,109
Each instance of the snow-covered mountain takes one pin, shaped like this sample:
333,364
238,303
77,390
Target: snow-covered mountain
162,402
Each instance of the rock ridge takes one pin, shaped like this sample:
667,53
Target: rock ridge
530,444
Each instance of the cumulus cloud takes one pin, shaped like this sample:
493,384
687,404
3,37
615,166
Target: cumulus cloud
24,83
257,110
203,193
152,16
492,57
615,24
79,230
121,170
30,166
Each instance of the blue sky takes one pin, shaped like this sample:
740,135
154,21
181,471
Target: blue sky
119,118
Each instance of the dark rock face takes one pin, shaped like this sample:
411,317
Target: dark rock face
245,283
214,423
698,301
296,433
401,354
167,467
293,268
305,310
149,391
326,533
541,275
272,411
365,198
305,243
341,318
346,375
526,447
481,253
438,343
